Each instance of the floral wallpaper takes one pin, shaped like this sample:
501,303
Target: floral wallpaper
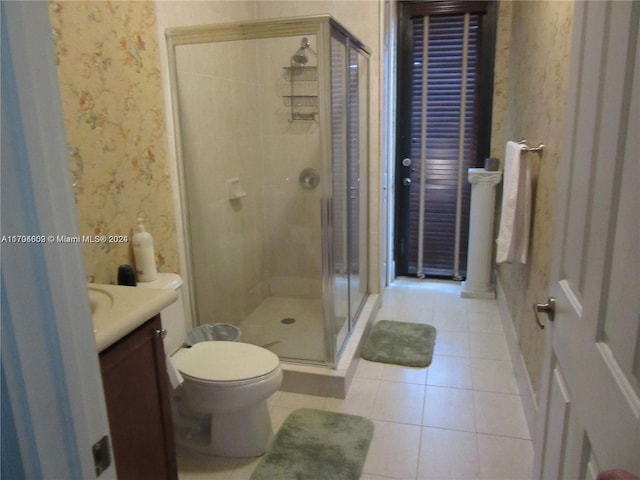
108,69
501,79
538,52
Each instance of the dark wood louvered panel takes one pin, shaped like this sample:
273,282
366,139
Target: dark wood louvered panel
441,168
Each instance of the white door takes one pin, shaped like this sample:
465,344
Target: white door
590,394
53,408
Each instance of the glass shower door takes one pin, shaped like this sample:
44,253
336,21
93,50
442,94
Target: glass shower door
339,203
357,181
251,189
349,117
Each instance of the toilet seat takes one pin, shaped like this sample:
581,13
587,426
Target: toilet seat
227,363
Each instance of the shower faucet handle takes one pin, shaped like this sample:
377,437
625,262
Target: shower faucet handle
309,178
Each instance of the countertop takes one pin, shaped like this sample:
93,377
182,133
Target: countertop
119,310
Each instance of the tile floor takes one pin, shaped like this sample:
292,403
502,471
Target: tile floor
461,418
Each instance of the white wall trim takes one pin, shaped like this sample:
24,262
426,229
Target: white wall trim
525,388
388,76
166,57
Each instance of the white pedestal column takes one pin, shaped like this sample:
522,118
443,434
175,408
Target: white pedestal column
483,197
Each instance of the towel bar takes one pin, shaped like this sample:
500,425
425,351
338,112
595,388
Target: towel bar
539,149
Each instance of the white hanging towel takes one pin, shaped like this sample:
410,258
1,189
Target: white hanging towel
175,378
515,219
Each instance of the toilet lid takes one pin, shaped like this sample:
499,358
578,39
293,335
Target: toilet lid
218,361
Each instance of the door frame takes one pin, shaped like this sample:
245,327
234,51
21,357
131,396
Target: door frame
403,94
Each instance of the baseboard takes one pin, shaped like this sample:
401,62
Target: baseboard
525,389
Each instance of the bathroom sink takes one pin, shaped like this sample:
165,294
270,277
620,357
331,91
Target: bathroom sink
100,300
117,310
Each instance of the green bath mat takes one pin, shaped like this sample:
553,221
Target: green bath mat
317,445
400,343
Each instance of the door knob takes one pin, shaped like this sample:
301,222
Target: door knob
549,308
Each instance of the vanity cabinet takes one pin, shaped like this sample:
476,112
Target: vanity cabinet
137,395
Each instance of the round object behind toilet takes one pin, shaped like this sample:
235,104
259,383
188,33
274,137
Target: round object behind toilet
213,332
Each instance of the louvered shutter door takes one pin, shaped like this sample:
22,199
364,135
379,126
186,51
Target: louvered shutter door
441,175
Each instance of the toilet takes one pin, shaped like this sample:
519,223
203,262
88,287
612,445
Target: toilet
221,407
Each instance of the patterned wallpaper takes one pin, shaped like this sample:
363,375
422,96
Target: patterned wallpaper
108,68
538,52
501,80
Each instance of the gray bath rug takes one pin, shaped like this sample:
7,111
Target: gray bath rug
400,343
317,445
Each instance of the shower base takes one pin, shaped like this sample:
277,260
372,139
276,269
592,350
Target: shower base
291,327
305,378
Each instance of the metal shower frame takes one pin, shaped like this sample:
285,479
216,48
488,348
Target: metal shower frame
324,27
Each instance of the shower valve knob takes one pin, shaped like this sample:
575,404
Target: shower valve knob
309,178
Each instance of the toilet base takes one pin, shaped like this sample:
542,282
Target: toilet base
242,433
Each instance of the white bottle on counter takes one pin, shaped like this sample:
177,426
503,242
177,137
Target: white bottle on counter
144,255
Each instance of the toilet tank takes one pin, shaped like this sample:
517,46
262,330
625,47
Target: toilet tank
172,317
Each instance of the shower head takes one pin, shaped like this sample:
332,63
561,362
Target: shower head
300,56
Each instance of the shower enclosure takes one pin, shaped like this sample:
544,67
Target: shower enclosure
271,122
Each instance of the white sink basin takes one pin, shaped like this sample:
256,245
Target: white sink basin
118,310
101,301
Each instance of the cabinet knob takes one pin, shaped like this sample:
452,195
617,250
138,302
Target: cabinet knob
162,332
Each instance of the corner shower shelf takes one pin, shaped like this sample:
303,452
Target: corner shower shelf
303,116
301,73
303,99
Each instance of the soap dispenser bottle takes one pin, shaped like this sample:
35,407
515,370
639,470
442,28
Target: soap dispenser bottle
144,254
